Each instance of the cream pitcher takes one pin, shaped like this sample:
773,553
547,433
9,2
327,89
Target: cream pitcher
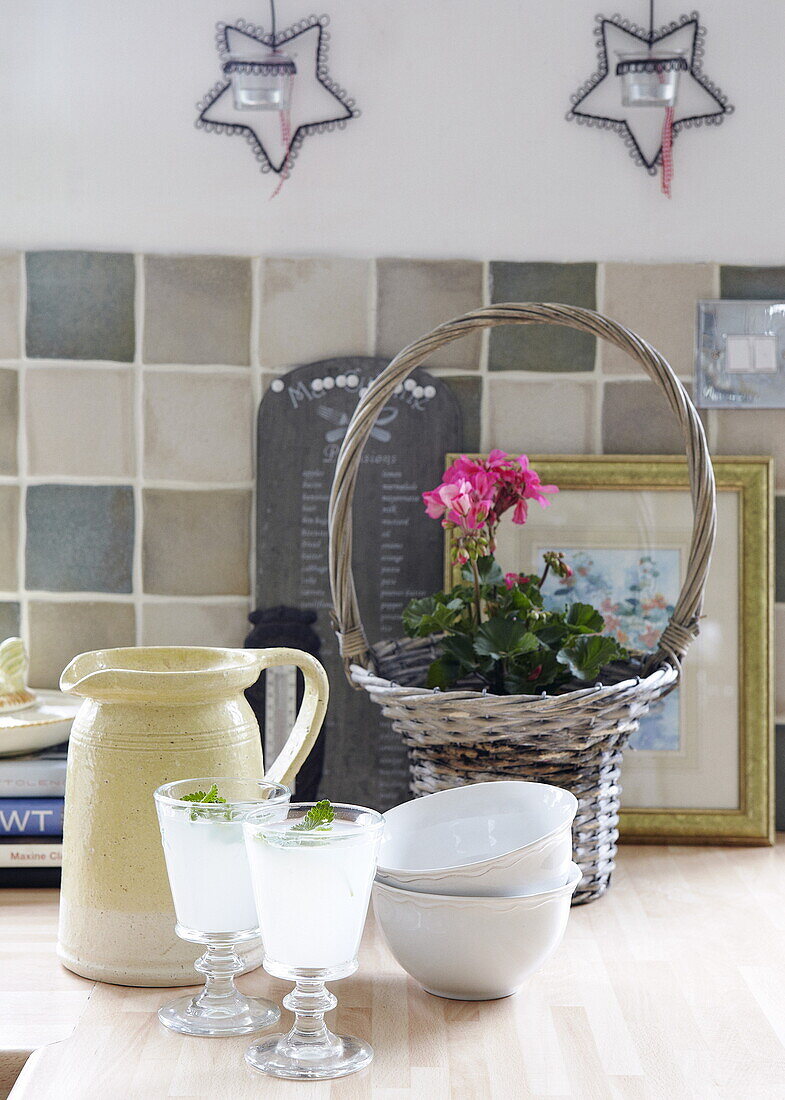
151,715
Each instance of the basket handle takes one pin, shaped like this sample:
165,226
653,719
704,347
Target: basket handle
683,624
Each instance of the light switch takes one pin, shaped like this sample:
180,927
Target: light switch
750,354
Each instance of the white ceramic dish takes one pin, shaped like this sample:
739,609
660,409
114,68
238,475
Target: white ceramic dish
47,722
484,840
472,949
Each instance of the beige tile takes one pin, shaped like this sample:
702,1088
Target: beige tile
179,622
9,305
197,309
752,432
541,417
313,309
9,421
196,543
656,301
637,420
414,296
9,537
80,421
197,427
779,660
58,631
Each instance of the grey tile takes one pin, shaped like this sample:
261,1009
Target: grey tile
752,432
197,427
58,631
80,421
9,305
80,538
469,394
541,417
414,296
542,347
313,308
637,420
186,622
9,537
80,305
752,282
9,421
197,309
10,618
779,549
658,302
779,777
196,543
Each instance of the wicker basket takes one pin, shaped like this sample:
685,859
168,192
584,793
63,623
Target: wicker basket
574,740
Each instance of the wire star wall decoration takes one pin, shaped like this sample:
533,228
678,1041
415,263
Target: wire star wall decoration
328,106
597,102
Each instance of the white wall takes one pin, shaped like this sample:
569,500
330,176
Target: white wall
461,150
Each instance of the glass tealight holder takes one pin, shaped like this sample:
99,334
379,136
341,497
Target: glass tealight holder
261,83
312,888
208,873
650,78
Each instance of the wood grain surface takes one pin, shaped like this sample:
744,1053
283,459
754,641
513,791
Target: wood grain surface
672,986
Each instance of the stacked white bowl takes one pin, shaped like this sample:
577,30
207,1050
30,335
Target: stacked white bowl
474,885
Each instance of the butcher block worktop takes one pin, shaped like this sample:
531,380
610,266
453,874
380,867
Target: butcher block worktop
672,986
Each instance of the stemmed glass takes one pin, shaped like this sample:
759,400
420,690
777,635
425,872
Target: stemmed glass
208,875
312,887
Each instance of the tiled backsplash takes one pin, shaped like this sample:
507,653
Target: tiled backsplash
129,384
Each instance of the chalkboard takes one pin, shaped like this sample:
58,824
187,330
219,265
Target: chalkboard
397,549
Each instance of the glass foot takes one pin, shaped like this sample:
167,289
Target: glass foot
236,1015
278,1056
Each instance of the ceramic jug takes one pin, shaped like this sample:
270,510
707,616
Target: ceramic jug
151,715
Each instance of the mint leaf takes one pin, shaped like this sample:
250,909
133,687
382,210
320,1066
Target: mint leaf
320,816
199,796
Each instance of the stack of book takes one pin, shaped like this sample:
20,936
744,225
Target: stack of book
32,789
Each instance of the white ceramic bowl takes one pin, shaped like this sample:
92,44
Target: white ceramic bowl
44,723
472,949
484,840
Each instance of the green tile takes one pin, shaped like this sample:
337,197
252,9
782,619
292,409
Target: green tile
469,394
779,548
9,421
80,305
542,347
9,619
79,538
9,536
752,282
58,631
9,305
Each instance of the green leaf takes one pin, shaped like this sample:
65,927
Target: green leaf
320,816
459,648
414,613
500,638
199,796
586,617
587,654
490,571
443,673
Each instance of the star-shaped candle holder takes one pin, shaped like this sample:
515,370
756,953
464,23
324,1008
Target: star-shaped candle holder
674,55
276,90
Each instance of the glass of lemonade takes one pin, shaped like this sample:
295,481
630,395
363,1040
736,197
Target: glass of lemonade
208,873
312,872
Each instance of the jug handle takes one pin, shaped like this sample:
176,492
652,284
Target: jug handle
310,717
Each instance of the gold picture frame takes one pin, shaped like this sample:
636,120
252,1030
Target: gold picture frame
751,821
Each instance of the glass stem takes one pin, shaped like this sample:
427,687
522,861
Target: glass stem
219,964
309,1000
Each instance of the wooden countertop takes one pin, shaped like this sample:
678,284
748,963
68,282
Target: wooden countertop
672,987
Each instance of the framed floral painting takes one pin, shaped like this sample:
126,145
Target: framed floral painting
699,768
